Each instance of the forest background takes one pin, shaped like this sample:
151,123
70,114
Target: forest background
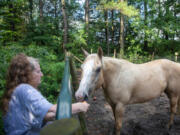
136,30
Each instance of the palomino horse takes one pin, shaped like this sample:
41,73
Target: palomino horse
127,83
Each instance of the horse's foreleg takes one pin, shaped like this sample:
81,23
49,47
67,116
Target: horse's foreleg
119,110
173,106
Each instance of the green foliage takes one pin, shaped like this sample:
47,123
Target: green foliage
159,28
50,85
123,7
12,21
77,39
167,47
44,33
135,57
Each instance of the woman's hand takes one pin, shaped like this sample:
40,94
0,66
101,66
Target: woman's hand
76,108
80,107
50,115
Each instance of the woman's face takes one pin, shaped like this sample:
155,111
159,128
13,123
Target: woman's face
36,75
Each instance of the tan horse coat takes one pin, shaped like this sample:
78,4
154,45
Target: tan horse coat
137,83
127,83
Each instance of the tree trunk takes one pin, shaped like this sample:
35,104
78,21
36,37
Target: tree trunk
121,38
65,22
159,14
11,22
87,16
175,16
31,9
166,35
145,24
55,14
107,30
11,10
112,18
41,10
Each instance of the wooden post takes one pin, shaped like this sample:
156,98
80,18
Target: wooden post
73,72
152,58
75,84
176,56
114,53
91,51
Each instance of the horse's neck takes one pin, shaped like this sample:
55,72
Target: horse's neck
112,67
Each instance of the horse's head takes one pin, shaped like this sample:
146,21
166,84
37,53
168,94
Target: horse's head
92,76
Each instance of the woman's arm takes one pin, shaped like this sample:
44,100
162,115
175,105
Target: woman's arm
76,108
80,107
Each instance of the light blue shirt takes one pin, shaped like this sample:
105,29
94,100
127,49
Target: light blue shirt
27,109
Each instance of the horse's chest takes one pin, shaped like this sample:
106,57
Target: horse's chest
115,95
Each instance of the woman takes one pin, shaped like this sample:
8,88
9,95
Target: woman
25,110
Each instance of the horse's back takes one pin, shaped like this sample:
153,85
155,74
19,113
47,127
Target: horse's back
142,82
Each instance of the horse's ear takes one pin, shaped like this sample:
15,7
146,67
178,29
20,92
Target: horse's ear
100,52
84,52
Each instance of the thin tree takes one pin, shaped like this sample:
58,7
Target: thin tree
87,16
107,30
121,36
65,23
167,8
159,13
87,20
112,21
145,24
12,10
41,4
55,13
31,9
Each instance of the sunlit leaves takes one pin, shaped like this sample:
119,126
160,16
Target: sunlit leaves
123,7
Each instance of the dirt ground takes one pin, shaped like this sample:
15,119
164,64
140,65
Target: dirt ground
149,118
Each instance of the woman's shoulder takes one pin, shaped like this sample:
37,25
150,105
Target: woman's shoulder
23,86
23,89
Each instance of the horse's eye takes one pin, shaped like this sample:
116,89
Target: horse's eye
98,69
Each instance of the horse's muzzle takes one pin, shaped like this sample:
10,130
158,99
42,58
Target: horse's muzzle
81,96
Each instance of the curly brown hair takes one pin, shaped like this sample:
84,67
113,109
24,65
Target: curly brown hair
20,71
